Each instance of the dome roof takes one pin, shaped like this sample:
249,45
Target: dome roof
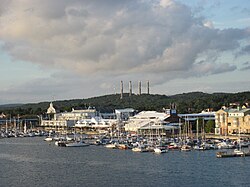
51,109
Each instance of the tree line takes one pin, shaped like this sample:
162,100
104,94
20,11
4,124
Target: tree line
193,102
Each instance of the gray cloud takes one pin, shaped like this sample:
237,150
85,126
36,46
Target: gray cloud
245,68
246,49
130,39
246,63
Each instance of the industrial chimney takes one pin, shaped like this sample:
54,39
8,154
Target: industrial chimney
147,87
139,88
121,89
130,88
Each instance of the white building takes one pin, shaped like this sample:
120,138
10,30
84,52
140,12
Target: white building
95,122
144,118
66,119
124,114
86,118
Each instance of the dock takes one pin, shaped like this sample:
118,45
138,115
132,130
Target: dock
224,154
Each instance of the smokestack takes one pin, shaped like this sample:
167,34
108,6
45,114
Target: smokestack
147,87
139,88
130,88
121,89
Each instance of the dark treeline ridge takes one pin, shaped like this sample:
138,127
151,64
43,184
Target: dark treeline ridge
185,103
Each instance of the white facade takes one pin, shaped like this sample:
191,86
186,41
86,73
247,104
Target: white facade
144,118
95,122
66,119
77,114
124,114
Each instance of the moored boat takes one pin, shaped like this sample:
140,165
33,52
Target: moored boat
160,150
111,146
60,143
77,144
236,153
48,139
140,149
185,148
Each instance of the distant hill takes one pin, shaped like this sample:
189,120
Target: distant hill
185,103
10,105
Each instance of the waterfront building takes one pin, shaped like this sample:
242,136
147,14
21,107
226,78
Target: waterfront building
2,115
147,119
96,123
124,114
78,114
192,118
232,121
65,119
53,121
83,119
159,130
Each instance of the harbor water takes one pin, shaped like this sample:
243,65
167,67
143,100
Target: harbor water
34,162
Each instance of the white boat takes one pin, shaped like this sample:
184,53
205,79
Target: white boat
139,149
174,146
186,148
60,143
160,150
202,147
198,147
111,146
69,138
225,145
238,152
77,144
48,139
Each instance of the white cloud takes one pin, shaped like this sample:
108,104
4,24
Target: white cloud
166,3
110,40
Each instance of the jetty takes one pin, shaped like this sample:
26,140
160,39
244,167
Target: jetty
224,154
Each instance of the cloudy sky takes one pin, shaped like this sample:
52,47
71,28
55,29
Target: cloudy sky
61,49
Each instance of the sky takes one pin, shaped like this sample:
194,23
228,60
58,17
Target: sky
60,49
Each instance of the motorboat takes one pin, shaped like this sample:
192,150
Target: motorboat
225,145
173,146
111,146
202,147
61,143
160,150
48,139
185,148
140,149
77,144
238,152
122,146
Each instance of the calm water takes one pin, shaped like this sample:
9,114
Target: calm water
33,162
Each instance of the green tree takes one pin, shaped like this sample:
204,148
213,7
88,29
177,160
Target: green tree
209,126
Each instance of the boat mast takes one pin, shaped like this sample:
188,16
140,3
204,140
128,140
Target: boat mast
197,130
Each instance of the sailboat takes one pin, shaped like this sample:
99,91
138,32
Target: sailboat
236,153
185,146
78,142
239,150
159,149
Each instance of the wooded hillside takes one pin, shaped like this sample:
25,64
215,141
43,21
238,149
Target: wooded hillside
185,103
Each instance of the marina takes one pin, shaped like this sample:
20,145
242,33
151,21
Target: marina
147,148
137,93
35,162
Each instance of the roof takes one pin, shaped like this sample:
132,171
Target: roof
239,110
51,109
159,126
125,110
203,114
151,115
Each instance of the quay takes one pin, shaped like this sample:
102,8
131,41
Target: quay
231,137
224,154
